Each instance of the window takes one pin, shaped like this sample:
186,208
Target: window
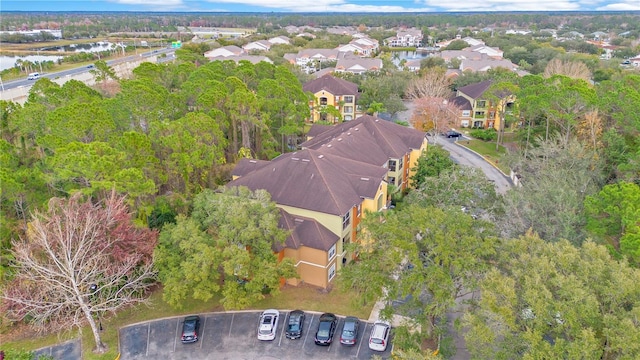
345,241
482,103
400,163
332,252
348,109
392,180
392,165
492,114
332,271
478,114
348,99
348,117
323,101
359,209
466,112
346,219
465,123
323,116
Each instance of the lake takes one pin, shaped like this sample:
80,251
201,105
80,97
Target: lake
7,62
398,56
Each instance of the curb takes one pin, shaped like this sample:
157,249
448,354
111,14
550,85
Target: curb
486,160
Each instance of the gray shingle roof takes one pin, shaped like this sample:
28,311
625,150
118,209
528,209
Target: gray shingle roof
333,85
305,231
309,179
367,139
476,90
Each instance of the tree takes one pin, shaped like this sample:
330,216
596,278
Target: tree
551,300
613,217
572,69
555,180
78,261
435,255
461,187
103,72
224,247
434,113
430,164
433,84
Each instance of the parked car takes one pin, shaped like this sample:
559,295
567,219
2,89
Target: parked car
326,329
349,334
379,337
452,133
268,324
190,328
295,324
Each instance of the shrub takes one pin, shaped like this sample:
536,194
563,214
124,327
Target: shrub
484,134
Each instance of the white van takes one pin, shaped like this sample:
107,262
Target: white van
33,76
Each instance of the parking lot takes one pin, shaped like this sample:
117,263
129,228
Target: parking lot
233,336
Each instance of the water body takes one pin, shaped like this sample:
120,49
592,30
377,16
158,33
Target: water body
7,62
398,56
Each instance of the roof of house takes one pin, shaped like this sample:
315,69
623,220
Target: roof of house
359,64
331,84
367,139
318,53
224,51
304,231
462,103
245,166
254,59
476,90
312,180
486,64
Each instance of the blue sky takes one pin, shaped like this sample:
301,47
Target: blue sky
386,6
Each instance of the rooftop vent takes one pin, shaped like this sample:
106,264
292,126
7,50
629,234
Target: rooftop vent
364,178
306,160
252,161
320,156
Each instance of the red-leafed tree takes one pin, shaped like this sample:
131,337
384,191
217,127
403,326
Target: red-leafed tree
77,261
435,114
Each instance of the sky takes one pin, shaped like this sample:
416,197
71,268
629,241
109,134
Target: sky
320,6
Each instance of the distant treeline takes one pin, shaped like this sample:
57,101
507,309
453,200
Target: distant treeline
86,24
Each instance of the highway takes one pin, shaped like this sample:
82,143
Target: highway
82,69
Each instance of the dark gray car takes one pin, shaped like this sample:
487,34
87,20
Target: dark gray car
349,334
295,324
190,328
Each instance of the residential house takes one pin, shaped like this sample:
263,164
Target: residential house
329,91
254,59
487,50
311,60
406,38
260,45
358,65
485,64
484,112
324,196
413,65
280,40
224,51
374,141
362,46
324,190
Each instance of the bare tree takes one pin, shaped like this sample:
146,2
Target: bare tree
78,261
434,83
434,113
572,69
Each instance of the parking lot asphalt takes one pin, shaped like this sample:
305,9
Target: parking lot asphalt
232,335
69,350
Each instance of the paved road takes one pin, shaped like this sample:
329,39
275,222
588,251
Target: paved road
464,156
233,336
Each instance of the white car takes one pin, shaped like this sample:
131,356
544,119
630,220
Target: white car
268,324
379,338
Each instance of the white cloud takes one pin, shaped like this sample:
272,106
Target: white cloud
628,5
506,5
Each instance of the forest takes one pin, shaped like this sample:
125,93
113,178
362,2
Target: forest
556,260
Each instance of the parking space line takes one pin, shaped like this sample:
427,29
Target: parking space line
148,337
175,336
308,331
202,333
231,325
364,331
282,332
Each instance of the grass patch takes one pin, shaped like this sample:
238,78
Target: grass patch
488,151
290,297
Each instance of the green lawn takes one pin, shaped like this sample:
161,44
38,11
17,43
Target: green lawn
488,151
304,297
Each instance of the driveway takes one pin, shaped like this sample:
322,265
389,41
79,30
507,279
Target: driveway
233,336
